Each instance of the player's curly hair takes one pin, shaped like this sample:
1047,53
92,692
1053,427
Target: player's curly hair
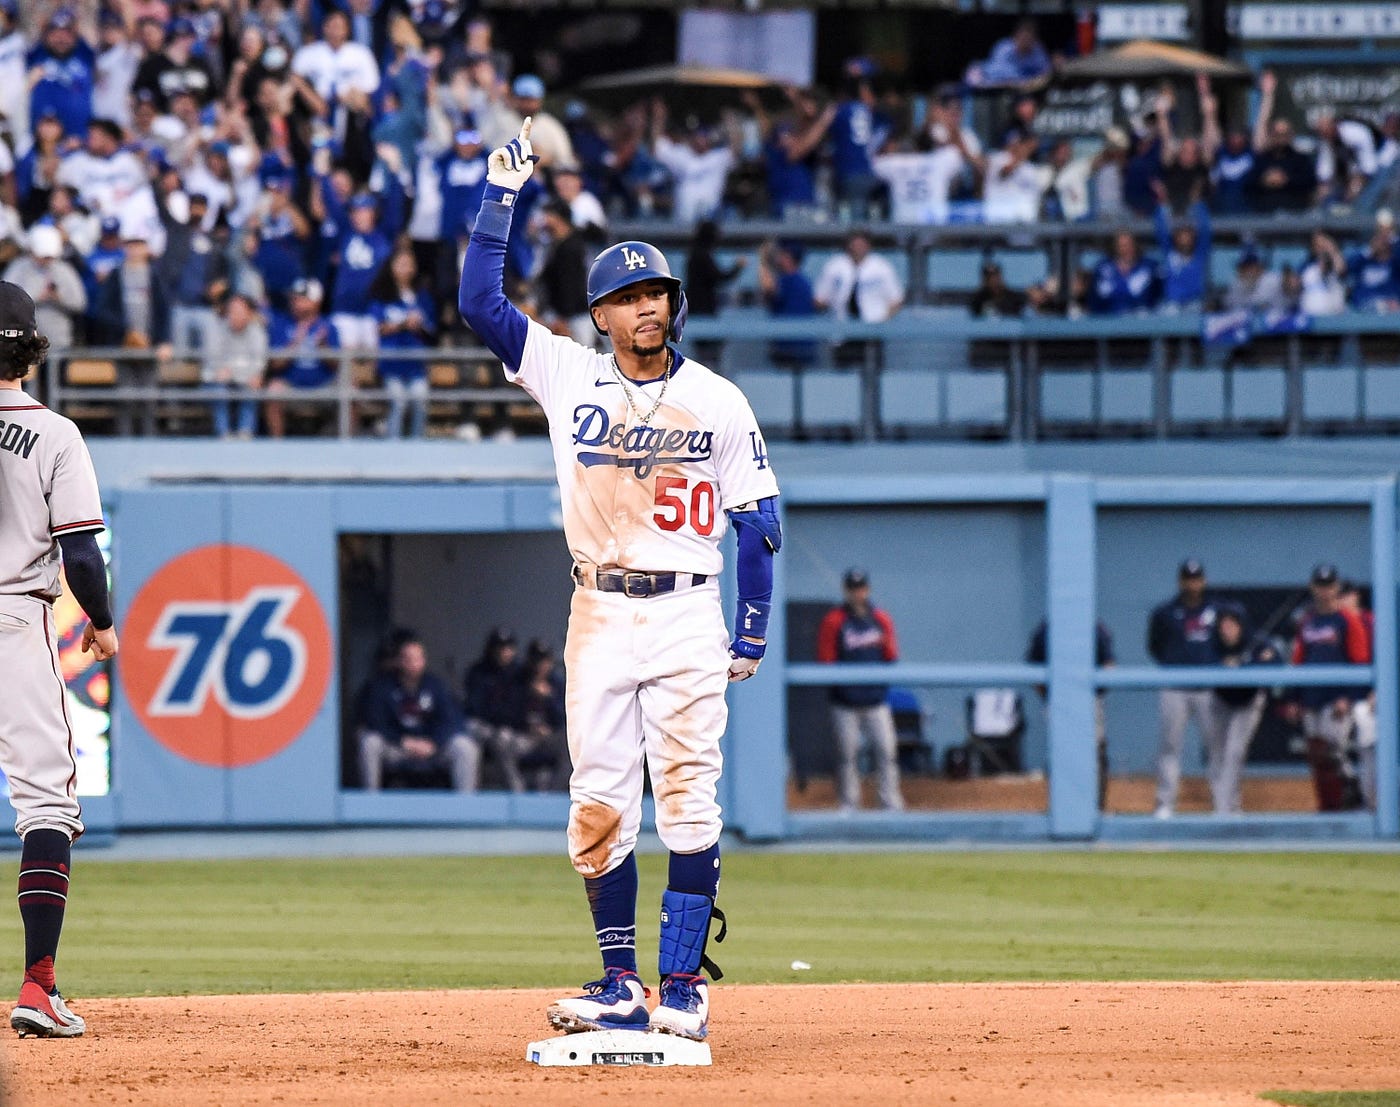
20,355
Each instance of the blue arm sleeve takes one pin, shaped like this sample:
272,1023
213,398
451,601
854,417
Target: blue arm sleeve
87,576
759,539
481,298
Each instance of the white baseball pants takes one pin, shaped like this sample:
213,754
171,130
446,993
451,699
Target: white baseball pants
645,683
36,744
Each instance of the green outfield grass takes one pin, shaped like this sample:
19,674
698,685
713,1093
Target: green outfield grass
249,926
1335,1099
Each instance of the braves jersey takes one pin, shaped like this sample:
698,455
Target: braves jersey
1336,638
646,497
47,489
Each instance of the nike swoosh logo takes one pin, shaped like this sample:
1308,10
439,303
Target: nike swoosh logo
600,384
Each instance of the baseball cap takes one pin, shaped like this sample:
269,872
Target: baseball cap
1250,255
1325,573
362,200
856,578
62,18
180,26
528,87
111,225
221,148
1192,567
16,312
309,287
500,636
45,241
467,136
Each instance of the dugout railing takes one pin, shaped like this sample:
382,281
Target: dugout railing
1073,506
916,376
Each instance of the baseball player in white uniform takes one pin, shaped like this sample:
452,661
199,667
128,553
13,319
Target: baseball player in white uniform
655,456
48,501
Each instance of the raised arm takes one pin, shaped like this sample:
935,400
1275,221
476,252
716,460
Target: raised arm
1268,85
1211,136
481,297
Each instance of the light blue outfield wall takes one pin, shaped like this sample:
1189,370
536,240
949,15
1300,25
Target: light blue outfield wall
964,582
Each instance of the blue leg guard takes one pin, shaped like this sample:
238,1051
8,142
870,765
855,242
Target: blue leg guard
685,928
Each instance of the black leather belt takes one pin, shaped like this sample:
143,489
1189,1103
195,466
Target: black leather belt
636,585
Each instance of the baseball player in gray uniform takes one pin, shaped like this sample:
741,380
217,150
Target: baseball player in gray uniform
48,502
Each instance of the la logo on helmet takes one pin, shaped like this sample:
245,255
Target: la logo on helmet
633,259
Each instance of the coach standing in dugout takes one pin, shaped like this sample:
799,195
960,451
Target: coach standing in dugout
48,501
857,631
1331,634
1182,631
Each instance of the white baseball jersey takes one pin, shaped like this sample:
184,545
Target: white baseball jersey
646,497
919,183
47,488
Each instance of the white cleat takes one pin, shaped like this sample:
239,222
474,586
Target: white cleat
616,1002
40,1014
685,1007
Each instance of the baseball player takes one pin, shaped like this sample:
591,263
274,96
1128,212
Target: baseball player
48,502
1330,634
1182,632
655,456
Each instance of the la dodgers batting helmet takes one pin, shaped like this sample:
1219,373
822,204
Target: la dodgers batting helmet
630,263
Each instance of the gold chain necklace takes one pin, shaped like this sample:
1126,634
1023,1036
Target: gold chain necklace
665,382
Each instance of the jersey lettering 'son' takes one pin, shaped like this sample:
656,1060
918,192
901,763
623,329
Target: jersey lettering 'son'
17,439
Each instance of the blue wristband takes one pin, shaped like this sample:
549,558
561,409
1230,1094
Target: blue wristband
499,194
751,619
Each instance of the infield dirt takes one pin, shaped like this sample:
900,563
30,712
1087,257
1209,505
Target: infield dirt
999,1045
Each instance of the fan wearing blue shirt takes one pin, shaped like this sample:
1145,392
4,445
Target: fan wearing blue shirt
103,258
307,332
1375,274
362,253
406,320
65,65
857,130
461,173
1185,251
283,235
1125,282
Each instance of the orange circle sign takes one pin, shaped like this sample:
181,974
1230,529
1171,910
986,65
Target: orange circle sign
226,655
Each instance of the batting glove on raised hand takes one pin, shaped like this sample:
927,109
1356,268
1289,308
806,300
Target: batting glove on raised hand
510,165
744,656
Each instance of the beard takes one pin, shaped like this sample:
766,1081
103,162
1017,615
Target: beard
648,351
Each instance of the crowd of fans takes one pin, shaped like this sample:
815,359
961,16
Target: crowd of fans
238,180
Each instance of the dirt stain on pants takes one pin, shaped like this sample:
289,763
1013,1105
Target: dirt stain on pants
593,831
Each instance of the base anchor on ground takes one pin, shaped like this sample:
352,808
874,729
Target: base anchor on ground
617,1047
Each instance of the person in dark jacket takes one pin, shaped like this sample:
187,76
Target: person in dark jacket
132,308
563,280
542,762
1239,711
857,631
704,277
409,722
1182,632
492,702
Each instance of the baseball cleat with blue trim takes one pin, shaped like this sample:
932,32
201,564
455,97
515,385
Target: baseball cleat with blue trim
685,1007
616,1002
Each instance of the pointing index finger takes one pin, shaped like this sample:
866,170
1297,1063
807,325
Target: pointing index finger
525,129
